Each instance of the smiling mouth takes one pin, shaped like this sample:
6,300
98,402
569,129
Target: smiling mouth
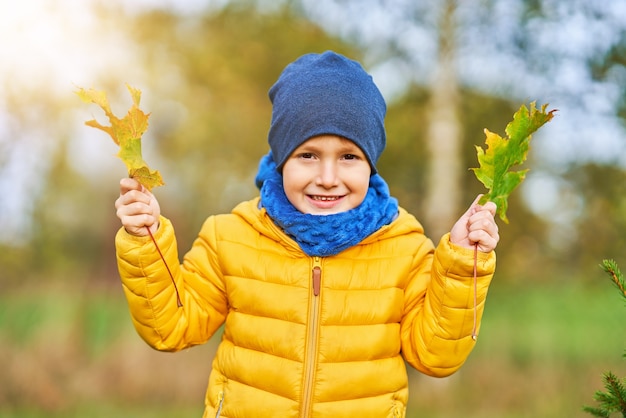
325,198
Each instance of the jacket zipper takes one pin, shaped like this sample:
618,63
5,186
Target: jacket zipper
220,403
312,337
397,411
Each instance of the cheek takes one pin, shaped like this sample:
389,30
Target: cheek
292,183
364,187
361,182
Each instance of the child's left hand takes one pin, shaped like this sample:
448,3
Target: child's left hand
477,226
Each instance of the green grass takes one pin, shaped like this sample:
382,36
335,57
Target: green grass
563,323
97,316
541,352
108,410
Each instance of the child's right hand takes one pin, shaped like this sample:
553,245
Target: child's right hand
137,208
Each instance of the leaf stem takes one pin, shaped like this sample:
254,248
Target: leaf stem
178,301
474,335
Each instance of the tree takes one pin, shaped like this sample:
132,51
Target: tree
444,133
614,399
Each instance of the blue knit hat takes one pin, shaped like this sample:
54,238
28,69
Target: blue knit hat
326,94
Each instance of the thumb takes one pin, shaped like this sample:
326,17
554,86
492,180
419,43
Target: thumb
127,184
473,208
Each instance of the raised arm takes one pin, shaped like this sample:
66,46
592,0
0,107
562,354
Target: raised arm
443,305
151,275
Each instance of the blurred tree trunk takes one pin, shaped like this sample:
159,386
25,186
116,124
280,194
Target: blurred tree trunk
444,133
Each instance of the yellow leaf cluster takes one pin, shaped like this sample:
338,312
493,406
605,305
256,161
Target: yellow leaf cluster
125,132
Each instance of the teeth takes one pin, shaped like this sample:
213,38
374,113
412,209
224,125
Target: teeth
324,198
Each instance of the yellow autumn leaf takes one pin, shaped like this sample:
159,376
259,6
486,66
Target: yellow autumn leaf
125,132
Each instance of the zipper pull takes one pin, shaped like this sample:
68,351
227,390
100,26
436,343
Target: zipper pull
317,277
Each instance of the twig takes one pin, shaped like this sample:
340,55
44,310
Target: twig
178,301
475,292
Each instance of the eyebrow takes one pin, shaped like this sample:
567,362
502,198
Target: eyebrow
347,147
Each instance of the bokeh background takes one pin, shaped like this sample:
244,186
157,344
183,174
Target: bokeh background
448,69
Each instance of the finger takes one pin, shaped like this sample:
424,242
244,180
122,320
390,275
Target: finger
491,207
127,184
133,196
483,223
486,211
138,221
485,241
136,224
474,206
482,220
133,208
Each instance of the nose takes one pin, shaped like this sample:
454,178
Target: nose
328,175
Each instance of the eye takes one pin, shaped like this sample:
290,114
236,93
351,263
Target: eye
350,157
306,155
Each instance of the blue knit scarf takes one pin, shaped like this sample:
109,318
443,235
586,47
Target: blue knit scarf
325,235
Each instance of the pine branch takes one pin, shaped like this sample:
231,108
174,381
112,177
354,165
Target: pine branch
596,412
610,266
617,392
614,398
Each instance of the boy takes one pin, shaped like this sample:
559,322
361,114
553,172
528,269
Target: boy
324,285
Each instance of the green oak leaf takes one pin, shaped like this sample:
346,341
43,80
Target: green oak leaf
501,154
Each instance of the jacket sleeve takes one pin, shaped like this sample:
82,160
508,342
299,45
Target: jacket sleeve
439,307
151,295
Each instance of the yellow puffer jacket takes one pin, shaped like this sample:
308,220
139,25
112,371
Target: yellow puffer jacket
306,337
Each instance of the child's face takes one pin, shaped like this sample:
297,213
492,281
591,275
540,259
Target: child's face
326,175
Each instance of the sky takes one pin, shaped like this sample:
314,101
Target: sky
53,46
